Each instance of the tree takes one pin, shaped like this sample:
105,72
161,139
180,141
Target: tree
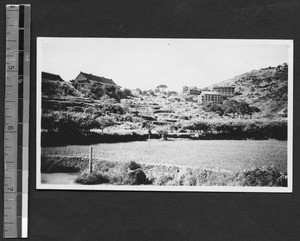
126,93
68,122
104,121
243,108
172,92
230,106
213,107
151,92
185,89
161,88
163,132
149,125
113,91
138,91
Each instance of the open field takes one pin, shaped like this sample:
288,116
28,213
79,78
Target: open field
206,154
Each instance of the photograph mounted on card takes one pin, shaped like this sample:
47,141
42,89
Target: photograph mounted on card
164,114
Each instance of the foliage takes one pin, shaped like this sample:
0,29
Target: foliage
264,176
163,132
126,93
86,177
185,89
97,91
129,173
58,88
239,128
68,122
161,88
66,164
104,122
172,92
133,173
213,107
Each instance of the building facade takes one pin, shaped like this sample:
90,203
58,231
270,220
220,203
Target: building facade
209,96
227,91
193,91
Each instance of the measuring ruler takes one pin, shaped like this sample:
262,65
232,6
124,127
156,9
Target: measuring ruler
16,129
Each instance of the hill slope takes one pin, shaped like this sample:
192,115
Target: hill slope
266,89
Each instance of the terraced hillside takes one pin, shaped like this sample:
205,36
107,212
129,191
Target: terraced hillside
266,89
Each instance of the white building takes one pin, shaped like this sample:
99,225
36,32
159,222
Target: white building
193,91
225,90
209,96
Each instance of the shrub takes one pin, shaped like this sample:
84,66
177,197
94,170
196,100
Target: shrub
91,178
264,176
164,179
129,173
51,164
132,165
163,132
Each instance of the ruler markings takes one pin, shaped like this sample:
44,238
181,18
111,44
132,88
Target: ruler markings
16,178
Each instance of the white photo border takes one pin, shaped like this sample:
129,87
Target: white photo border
106,187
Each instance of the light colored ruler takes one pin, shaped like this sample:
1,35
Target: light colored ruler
16,130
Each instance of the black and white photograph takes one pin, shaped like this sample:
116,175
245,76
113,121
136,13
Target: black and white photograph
164,114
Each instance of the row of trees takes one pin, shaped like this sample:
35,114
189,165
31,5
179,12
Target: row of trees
73,123
96,91
239,129
231,107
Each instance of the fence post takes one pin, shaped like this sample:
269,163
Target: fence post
91,160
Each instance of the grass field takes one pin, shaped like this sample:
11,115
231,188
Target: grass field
208,154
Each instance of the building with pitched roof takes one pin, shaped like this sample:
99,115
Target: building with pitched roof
52,77
84,80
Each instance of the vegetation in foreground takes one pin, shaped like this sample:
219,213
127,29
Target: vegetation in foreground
208,154
132,173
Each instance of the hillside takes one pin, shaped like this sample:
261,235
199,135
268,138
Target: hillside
58,88
266,89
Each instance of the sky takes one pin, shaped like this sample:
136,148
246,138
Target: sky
147,63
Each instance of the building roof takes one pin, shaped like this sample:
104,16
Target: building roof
193,88
209,93
99,79
50,76
224,87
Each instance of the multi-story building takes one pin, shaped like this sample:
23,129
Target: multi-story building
226,91
193,91
209,96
